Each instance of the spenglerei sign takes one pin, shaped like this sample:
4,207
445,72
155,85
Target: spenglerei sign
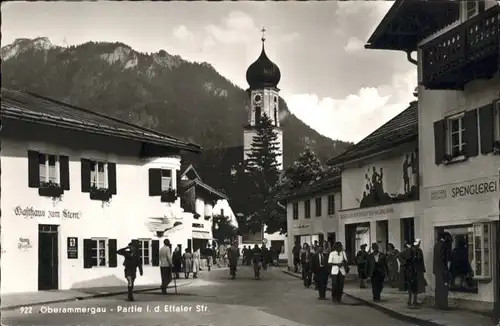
31,213
466,190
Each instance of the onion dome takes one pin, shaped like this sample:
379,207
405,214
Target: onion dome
263,72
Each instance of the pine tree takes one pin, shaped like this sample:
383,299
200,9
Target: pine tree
263,174
303,171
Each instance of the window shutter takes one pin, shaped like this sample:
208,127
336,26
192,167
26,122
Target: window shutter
470,133
439,141
33,169
486,128
155,252
112,248
87,253
154,182
112,178
64,171
85,175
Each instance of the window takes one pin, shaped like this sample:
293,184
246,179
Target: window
49,168
331,204
472,7
99,175
496,124
307,209
258,113
456,140
144,248
166,179
463,249
481,265
295,208
318,206
99,250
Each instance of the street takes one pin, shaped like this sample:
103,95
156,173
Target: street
213,299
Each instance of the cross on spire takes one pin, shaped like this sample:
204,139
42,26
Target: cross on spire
263,30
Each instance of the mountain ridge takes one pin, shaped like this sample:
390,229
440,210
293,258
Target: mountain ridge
158,90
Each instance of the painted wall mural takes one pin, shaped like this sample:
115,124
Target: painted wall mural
381,183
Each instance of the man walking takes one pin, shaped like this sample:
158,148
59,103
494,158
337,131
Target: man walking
338,261
165,257
361,261
296,256
377,270
132,262
233,255
320,270
257,261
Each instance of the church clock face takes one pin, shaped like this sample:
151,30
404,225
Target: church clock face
257,98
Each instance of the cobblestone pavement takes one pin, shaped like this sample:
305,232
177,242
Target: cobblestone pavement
277,299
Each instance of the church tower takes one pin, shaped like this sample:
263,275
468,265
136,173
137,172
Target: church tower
263,77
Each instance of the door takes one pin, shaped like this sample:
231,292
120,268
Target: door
407,231
48,257
331,238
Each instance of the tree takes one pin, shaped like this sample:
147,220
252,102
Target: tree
303,171
223,229
262,175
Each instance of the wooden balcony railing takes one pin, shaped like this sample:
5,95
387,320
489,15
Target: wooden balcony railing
467,52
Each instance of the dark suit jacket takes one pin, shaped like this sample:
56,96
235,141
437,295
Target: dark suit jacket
442,255
382,264
316,268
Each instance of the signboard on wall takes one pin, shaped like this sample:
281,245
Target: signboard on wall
377,212
384,182
72,247
477,189
32,213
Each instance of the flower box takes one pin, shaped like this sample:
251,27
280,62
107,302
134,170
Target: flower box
50,189
101,194
168,196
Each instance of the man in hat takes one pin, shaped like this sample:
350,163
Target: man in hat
321,271
361,261
377,271
233,255
132,262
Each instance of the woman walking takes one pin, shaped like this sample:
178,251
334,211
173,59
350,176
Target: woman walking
132,262
177,261
188,262
415,270
196,263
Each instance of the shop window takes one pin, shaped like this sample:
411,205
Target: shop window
99,252
278,245
307,209
49,168
145,252
295,209
318,206
331,204
456,135
463,259
98,175
166,180
481,260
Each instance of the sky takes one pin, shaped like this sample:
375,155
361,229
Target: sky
329,80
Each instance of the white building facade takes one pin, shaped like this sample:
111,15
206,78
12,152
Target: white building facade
459,135
312,214
74,193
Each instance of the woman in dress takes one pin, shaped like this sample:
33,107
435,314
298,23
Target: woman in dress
188,262
177,261
196,263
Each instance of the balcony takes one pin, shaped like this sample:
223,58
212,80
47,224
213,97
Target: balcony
467,52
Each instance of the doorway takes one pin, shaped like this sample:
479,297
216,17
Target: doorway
48,257
407,231
382,235
331,238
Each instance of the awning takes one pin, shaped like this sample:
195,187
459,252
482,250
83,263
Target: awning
201,235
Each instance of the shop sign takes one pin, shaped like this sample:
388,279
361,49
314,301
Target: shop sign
24,243
301,226
31,213
471,189
371,213
72,247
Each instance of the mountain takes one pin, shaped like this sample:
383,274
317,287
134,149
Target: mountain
160,91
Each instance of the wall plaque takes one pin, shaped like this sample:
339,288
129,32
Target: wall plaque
72,248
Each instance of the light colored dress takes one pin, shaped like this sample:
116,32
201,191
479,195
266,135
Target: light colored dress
196,261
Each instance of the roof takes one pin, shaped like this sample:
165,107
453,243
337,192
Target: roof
321,186
409,21
38,109
401,129
191,169
198,183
